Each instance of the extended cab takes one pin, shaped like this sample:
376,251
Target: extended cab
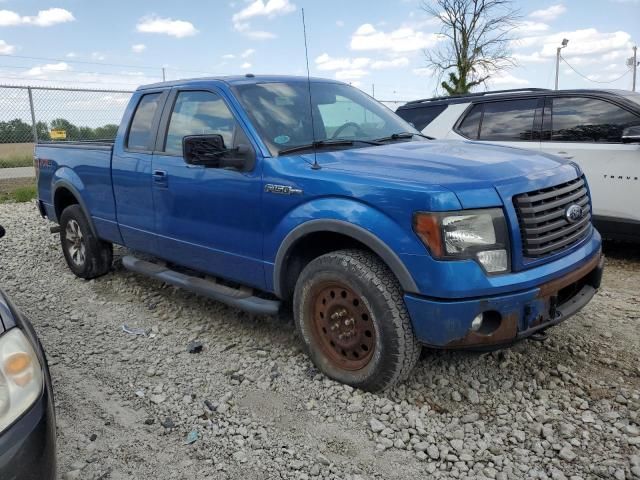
259,190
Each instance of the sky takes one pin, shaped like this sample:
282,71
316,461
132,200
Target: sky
377,46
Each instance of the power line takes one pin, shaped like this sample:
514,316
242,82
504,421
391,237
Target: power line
85,62
590,79
133,74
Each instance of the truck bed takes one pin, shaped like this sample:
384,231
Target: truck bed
82,168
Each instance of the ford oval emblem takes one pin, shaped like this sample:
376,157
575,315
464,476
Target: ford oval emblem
573,213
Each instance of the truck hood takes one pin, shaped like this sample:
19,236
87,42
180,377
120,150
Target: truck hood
452,164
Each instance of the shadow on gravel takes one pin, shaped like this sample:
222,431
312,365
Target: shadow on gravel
622,250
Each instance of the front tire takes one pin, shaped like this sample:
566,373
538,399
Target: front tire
87,256
350,313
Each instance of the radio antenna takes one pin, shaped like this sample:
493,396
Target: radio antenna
315,165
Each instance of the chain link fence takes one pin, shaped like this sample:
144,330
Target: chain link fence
32,114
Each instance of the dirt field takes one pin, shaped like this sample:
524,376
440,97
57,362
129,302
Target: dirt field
16,154
255,407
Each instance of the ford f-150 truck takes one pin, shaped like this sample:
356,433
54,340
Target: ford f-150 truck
257,191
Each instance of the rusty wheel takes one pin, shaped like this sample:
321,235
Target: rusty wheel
350,314
342,324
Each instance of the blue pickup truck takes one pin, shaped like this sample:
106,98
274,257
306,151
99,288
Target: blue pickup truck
260,191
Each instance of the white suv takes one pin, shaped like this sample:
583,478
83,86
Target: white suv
597,129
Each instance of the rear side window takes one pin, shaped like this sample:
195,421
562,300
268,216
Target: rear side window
576,119
470,126
509,120
422,116
140,134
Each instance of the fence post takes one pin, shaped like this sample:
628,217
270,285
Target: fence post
33,117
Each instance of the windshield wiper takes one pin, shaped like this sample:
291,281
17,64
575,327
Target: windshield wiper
401,136
326,143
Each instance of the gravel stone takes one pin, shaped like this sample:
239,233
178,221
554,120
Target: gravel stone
261,410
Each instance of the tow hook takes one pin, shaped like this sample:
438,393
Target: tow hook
539,336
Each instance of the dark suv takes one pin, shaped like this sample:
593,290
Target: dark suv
598,129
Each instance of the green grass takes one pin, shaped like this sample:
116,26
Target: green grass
19,194
17,160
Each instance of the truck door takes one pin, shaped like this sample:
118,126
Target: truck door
206,218
131,170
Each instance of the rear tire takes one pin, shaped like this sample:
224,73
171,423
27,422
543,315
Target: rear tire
87,256
350,313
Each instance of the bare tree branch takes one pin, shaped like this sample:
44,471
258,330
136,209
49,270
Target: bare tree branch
477,36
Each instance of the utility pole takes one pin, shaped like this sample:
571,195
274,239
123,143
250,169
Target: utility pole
564,44
163,75
635,67
373,89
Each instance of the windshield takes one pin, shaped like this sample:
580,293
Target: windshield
280,112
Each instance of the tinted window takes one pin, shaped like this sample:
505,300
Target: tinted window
510,120
470,126
422,116
140,134
198,113
577,119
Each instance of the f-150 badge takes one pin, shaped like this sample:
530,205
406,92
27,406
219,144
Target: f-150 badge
282,189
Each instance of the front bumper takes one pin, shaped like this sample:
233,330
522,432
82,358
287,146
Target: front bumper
447,324
27,447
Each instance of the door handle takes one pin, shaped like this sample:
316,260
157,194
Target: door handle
565,155
160,177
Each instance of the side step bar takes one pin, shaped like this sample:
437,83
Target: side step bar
239,298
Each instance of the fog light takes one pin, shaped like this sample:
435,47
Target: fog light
494,260
477,322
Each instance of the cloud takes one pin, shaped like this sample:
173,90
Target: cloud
527,27
508,80
394,63
48,68
44,18
245,65
351,74
97,56
404,39
424,72
166,26
138,48
228,56
549,14
339,23
5,48
260,8
247,53
71,55
326,62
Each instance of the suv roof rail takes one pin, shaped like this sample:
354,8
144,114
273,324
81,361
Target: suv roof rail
479,94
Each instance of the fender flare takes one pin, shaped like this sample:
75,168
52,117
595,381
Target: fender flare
61,183
350,230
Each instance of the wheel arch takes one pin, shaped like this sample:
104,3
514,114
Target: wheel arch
287,269
66,194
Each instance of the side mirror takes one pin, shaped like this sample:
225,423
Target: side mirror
210,151
631,135
2,231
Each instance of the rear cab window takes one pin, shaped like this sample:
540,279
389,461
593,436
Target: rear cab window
141,134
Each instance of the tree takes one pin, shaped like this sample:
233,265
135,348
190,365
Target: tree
477,35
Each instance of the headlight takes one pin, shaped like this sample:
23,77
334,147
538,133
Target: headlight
469,234
20,376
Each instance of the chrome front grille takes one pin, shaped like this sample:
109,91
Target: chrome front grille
544,218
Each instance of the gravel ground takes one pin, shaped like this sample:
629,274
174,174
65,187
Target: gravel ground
128,405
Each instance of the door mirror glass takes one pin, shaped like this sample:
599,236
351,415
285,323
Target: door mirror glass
631,135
